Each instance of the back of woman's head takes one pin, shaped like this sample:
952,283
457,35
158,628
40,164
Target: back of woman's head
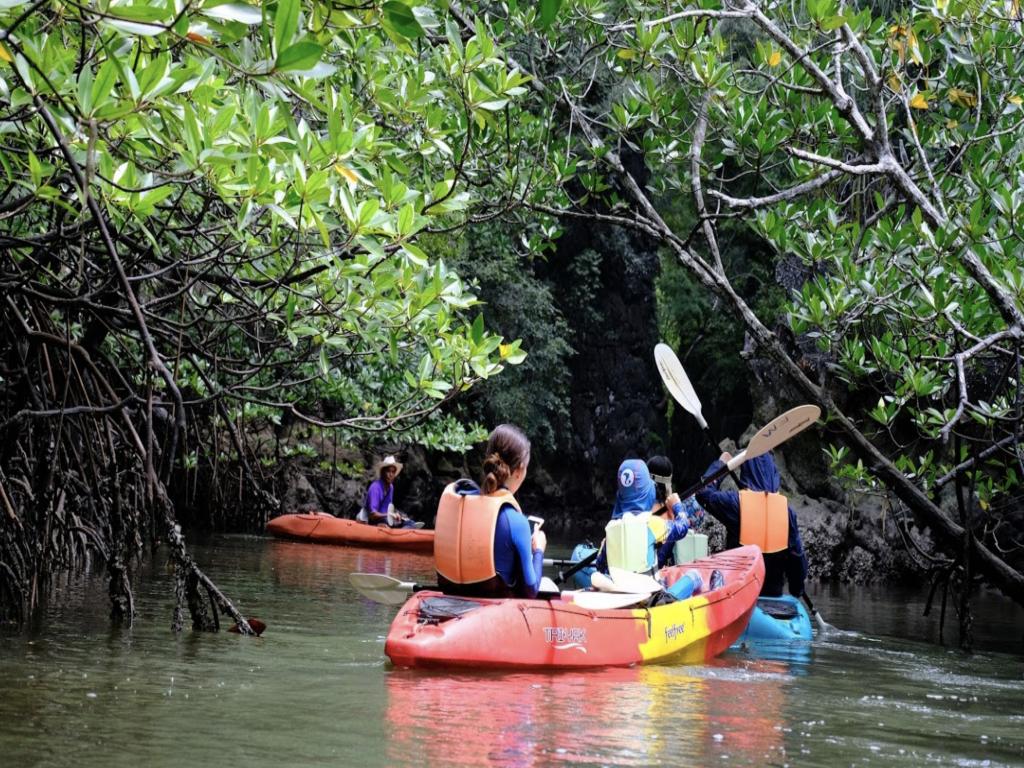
507,450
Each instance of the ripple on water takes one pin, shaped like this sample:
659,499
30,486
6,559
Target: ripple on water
316,689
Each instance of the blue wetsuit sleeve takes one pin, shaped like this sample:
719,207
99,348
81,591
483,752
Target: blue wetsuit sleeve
724,506
677,531
531,565
514,558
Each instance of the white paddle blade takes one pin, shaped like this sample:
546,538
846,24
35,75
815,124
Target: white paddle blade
606,601
604,583
781,428
381,588
677,382
627,581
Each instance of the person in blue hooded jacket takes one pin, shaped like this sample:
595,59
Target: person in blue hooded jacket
758,474
636,493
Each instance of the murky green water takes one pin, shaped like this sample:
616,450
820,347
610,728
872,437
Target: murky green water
315,689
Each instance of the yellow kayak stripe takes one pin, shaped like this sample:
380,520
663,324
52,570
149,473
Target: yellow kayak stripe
675,627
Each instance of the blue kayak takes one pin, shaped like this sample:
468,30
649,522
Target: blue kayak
775,619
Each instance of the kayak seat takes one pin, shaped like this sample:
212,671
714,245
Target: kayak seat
434,610
784,610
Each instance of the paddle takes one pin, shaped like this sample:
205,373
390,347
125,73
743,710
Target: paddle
823,626
392,591
772,434
678,384
606,601
625,582
564,575
674,377
381,588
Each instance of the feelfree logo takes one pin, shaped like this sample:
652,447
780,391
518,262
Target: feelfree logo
626,478
673,631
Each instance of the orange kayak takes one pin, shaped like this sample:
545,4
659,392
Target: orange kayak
436,630
323,528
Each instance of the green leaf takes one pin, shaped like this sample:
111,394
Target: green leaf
149,12
286,21
833,22
133,28
302,55
401,19
246,14
104,83
85,82
477,331
548,12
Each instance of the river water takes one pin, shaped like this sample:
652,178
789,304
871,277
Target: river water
316,689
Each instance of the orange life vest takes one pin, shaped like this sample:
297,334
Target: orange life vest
764,520
464,535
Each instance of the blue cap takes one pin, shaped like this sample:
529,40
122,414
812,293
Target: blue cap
636,489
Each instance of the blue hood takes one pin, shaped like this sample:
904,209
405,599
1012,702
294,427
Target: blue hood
636,489
760,474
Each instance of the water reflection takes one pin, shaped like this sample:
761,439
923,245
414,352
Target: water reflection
316,690
627,717
796,654
311,567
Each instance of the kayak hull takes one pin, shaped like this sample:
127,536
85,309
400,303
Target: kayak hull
557,634
777,619
323,528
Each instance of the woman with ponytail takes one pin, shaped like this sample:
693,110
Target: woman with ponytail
483,546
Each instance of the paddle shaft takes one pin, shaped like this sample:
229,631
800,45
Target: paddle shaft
822,624
715,448
554,563
563,575
707,480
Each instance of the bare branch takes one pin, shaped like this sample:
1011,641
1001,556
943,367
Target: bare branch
791,193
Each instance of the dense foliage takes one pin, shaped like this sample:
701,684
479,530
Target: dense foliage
219,207
884,154
211,214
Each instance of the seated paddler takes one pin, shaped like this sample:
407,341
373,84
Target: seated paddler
759,514
378,504
680,516
634,535
483,545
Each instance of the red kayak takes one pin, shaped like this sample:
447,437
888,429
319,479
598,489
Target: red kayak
436,630
326,529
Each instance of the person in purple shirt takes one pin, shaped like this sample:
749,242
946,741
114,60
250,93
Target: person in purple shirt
381,494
